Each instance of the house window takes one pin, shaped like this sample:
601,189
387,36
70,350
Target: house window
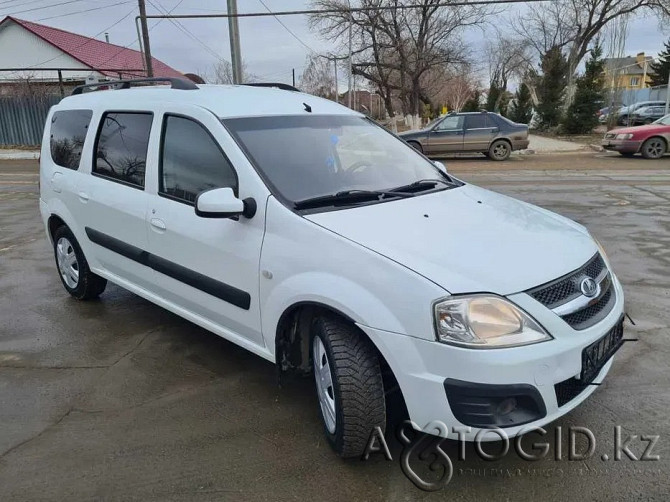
634,81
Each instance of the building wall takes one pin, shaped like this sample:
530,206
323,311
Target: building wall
20,48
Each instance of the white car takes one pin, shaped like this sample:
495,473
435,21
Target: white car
309,235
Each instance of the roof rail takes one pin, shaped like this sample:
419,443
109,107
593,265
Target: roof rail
176,83
278,85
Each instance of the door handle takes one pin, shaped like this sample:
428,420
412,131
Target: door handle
158,224
83,196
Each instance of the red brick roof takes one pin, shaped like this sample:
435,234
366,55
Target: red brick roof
96,53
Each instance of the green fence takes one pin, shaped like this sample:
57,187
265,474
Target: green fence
22,119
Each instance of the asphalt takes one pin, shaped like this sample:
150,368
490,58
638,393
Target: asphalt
118,399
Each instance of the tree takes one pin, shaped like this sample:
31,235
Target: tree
551,87
395,48
222,73
452,86
580,117
522,108
573,25
659,70
507,58
474,103
318,77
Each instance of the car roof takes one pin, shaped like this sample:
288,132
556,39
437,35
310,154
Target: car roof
225,101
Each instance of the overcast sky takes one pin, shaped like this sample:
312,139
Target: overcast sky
269,50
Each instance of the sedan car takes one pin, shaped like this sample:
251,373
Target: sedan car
647,114
488,133
650,140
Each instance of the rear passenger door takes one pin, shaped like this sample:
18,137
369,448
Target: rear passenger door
479,131
112,202
208,266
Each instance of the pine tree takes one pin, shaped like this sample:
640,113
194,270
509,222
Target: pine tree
581,115
472,104
659,70
522,111
551,87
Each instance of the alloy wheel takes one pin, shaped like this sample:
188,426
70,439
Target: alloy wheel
655,148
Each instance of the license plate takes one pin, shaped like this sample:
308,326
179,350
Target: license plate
596,355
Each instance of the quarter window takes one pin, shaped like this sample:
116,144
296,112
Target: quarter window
121,147
191,161
475,121
68,132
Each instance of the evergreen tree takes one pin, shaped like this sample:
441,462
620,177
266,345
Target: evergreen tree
472,104
551,87
522,111
658,71
581,115
493,98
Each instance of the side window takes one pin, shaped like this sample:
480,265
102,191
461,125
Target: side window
68,132
191,161
121,146
477,121
451,123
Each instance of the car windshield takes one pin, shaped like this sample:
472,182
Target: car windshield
663,120
302,157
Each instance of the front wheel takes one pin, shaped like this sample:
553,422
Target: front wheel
653,148
416,145
500,150
348,384
73,269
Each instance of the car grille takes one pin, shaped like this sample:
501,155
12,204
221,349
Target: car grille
567,288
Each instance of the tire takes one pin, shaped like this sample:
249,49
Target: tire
77,278
349,385
417,146
653,148
499,150
623,120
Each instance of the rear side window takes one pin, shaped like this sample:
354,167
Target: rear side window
121,147
475,121
191,161
68,132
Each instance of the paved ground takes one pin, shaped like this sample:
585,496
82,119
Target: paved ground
119,399
542,144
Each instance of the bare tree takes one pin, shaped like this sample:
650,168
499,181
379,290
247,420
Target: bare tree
395,48
222,73
452,86
318,77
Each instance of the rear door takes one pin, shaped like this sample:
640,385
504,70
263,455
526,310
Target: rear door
112,202
208,266
447,136
479,131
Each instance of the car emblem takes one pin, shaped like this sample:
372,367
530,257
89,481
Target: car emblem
589,287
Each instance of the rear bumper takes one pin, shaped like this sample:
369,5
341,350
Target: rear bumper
620,145
520,144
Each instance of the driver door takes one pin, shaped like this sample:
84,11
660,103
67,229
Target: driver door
446,136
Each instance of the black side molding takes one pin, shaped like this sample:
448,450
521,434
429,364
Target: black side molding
196,280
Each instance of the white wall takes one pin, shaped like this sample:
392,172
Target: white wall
19,48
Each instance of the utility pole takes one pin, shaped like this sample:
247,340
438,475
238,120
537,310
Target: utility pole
145,39
351,67
234,31
337,91
293,73
667,95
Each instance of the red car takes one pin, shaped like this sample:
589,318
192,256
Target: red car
652,140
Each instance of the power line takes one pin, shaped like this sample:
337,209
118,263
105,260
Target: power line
288,29
45,7
86,10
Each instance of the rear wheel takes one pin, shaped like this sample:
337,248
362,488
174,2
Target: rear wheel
416,145
499,150
73,270
348,384
653,148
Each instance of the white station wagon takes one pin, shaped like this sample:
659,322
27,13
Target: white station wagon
309,235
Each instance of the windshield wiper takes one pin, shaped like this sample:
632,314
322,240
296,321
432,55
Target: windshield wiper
350,196
420,185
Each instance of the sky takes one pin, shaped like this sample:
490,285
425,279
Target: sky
269,50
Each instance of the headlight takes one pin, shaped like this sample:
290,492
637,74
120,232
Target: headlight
485,321
600,248
624,136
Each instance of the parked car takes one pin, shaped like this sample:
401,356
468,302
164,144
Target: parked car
309,235
488,133
650,140
647,114
626,112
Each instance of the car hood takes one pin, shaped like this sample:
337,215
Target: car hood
468,239
649,128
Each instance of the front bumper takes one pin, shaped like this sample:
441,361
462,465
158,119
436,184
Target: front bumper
621,145
421,367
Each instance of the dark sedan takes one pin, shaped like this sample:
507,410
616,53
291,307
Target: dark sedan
485,132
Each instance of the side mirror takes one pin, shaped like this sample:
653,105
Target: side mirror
440,166
222,203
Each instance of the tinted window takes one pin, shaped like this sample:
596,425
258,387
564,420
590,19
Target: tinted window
121,146
191,161
68,131
475,121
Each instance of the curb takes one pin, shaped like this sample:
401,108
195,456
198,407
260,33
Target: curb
19,155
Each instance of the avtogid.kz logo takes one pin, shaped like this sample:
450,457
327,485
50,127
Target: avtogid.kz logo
435,468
